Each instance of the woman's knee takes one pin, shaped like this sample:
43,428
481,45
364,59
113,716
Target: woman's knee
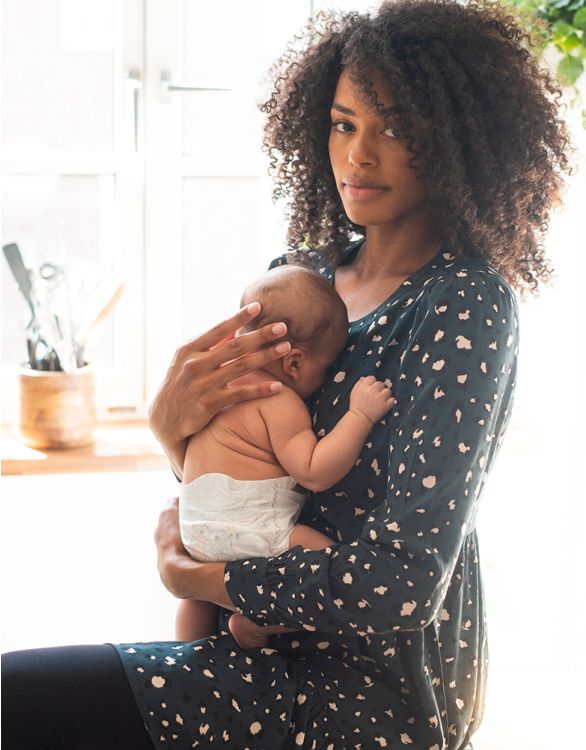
23,716
68,697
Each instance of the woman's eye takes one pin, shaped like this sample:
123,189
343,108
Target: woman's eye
342,127
392,132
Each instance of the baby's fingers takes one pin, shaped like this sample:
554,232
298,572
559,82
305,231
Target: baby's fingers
386,400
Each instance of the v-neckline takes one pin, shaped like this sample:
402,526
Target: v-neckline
351,252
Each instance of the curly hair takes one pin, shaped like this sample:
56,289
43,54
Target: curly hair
467,87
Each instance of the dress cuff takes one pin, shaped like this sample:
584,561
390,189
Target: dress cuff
265,589
247,585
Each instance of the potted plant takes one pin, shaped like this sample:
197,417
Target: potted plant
559,26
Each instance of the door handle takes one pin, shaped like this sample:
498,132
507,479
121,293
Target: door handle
168,85
134,84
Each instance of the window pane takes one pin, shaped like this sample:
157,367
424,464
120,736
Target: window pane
235,55
221,257
57,75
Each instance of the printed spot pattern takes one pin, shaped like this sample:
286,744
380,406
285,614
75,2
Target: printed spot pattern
391,649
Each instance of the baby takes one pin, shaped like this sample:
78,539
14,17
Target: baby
240,495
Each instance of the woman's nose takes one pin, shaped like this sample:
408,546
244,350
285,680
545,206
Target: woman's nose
362,153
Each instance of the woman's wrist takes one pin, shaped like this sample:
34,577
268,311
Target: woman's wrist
212,586
181,575
187,578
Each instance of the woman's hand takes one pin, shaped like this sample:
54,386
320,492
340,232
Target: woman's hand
183,576
197,384
248,634
171,554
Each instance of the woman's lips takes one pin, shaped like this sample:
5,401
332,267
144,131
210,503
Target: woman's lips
362,193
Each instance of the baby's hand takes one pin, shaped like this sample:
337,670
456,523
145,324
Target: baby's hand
371,398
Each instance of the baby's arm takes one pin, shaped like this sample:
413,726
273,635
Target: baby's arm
315,464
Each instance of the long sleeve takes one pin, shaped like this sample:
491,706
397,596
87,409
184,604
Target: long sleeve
453,377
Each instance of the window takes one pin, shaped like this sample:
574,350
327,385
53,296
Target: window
72,190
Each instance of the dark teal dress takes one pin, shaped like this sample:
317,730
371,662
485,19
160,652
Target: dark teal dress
392,649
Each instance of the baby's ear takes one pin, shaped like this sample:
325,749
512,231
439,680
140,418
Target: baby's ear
292,362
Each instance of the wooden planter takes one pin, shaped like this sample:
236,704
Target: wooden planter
57,409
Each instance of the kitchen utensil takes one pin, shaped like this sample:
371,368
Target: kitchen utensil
21,274
105,303
55,303
23,279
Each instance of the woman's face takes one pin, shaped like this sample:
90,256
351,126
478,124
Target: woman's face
370,161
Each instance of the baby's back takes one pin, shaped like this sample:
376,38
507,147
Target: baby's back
236,442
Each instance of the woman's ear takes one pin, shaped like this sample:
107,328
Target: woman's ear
293,362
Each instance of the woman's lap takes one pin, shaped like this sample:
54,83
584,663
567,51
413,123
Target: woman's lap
213,695
69,698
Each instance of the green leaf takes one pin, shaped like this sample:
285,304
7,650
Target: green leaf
576,4
560,3
579,20
562,29
531,5
569,43
570,68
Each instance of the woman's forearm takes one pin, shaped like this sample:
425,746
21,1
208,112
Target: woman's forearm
189,579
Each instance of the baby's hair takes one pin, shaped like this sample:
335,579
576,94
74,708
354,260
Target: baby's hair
315,314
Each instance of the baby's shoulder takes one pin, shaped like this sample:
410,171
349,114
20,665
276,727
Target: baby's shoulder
283,404
284,397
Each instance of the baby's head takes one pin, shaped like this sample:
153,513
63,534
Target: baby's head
316,318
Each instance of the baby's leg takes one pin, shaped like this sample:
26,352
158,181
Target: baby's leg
246,632
195,619
308,538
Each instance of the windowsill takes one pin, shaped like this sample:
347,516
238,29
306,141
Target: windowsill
119,446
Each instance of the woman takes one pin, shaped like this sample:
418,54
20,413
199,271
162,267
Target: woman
420,150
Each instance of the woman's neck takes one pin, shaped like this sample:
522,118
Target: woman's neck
386,254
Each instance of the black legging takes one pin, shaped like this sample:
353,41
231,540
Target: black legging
69,698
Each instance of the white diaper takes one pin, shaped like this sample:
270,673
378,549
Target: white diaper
222,518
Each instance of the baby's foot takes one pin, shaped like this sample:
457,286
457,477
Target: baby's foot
246,633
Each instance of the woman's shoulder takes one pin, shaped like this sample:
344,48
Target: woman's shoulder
448,274
467,278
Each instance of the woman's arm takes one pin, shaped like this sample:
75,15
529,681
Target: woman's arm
454,391
198,382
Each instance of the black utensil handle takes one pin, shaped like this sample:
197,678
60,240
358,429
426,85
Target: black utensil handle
19,270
